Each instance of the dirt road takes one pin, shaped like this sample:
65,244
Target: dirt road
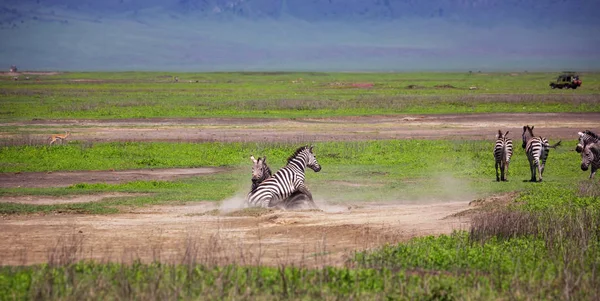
166,233
445,126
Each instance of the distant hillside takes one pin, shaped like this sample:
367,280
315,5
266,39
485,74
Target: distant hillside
484,12
373,35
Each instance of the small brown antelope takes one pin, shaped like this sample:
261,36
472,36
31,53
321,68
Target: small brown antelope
53,138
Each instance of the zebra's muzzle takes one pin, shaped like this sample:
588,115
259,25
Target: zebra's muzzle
584,166
317,168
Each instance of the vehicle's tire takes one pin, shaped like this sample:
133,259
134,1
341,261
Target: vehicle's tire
574,87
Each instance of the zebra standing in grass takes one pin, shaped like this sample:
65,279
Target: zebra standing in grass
274,191
586,137
502,153
590,155
537,149
261,171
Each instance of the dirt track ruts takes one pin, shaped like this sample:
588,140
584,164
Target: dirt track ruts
443,126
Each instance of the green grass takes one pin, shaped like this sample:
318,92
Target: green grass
274,95
352,172
545,246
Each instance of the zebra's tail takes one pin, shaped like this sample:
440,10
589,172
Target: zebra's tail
555,144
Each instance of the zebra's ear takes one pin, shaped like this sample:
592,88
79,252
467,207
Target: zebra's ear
264,159
580,133
532,127
506,134
252,158
311,148
499,134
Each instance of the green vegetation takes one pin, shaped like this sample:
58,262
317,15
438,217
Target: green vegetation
288,95
387,170
544,245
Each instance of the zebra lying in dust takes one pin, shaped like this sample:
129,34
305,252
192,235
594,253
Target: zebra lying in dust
586,137
285,189
503,151
590,155
261,171
537,149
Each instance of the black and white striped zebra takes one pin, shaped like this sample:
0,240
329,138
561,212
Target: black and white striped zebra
537,149
590,155
275,191
503,151
261,171
586,137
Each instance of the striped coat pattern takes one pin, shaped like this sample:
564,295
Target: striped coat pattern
590,155
537,149
261,171
274,191
503,151
586,137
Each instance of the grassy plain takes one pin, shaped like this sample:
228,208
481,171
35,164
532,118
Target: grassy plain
545,245
393,170
285,95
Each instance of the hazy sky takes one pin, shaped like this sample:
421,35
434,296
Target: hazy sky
320,35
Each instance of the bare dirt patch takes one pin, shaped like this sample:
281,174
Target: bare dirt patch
310,238
45,200
68,178
443,126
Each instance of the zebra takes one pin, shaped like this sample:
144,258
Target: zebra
261,171
274,191
590,155
503,151
586,137
537,149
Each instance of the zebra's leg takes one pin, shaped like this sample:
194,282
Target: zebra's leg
505,177
541,170
307,199
497,178
532,170
594,169
298,200
304,190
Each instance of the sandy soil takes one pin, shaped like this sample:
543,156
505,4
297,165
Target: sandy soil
49,200
447,126
68,178
309,238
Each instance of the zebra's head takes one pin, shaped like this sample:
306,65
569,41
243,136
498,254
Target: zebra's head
588,155
312,161
260,169
585,137
527,134
306,152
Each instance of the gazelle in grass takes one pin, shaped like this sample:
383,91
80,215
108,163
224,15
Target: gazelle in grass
62,137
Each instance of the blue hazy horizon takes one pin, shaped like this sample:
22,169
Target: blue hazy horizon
292,35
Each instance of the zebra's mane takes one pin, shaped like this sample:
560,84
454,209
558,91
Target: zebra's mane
591,134
298,151
268,169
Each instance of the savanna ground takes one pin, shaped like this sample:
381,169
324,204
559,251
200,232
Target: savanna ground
156,171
